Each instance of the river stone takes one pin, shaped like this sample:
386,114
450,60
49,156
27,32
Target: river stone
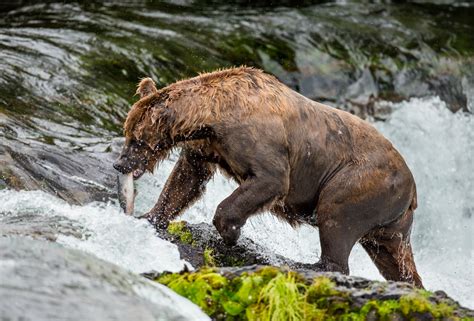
78,177
39,226
44,281
248,257
204,237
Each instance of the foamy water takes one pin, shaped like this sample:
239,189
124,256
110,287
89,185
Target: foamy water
437,145
110,234
439,148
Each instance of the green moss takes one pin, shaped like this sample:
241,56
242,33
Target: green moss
420,303
409,305
322,287
231,261
271,294
208,257
180,230
203,288
282,298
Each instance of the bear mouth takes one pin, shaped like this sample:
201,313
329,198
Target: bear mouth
138,173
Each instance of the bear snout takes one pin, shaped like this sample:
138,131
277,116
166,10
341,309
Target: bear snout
121,167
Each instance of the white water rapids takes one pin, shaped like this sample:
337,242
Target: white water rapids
437,145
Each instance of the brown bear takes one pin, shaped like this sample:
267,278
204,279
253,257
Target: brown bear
303,161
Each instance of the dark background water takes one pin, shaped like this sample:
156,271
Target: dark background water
68,70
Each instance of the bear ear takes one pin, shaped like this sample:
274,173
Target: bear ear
146,87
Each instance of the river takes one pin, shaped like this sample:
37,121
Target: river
68,73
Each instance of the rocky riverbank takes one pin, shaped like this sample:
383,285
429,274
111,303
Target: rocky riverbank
42,280
276,293
232,284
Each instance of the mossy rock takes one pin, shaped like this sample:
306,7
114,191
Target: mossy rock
273,293
180,231
238,283
201,245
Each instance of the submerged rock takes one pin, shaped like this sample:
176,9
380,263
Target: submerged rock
44,281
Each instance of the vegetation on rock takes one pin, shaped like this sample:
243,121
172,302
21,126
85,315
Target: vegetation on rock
274,294
201,245
208,257
179,229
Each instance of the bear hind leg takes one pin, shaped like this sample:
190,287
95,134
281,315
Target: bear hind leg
336,244
390,249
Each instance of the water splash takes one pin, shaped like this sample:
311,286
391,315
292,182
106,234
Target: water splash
439,148
109,234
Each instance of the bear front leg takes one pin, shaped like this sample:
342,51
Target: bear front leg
251,197
184,186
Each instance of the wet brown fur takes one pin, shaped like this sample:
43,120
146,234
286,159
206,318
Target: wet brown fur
207,99
303,161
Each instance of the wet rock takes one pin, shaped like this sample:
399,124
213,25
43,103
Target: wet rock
201,245
45,281
39,226
77,177
363,89
449,88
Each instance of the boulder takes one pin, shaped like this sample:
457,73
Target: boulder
240,283
279,293
42,280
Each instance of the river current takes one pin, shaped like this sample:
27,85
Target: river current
68,72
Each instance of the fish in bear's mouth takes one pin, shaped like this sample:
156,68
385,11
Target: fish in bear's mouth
126,192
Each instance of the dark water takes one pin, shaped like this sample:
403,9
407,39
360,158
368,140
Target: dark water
68,73
68,70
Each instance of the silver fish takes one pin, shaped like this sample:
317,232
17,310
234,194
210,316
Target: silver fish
126,192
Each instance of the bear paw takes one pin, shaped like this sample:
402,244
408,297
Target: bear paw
229,228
